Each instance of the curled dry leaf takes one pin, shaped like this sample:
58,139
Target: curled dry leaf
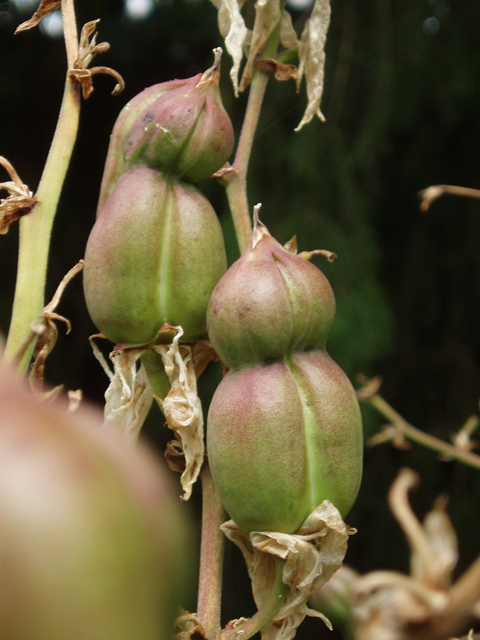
19,202
46,7
279,70
311,51
88,49
182,407
129,395
233,29
311,558
388,603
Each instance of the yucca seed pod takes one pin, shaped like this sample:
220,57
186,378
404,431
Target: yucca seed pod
185,131
93,541
131,112
153,256
282,438
269,303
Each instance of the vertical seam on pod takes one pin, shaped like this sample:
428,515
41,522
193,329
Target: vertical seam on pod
164,279
309,421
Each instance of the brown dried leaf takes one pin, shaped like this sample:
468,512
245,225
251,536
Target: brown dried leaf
312,556
312,58
47,331
19,202
267,16
203,353
88,49
175,457
13,208
46,7
279,70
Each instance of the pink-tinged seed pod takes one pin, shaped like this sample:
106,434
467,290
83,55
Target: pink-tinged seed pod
115,162
153,256
269,303
185,131
93,543
282,438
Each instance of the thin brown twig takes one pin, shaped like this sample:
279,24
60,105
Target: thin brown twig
430,194
399,429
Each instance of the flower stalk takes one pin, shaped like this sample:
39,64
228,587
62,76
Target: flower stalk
235,178
211,558
36,228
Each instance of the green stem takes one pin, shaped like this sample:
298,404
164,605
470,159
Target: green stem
235,181
211,558
269,608
420,437
36,228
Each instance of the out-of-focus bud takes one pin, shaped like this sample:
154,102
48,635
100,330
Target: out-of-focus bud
93,544
282,438
185,130
154,255
269,303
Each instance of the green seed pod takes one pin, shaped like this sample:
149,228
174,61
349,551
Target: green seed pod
185,131
115,162
154,255
93,544
282,438
269,303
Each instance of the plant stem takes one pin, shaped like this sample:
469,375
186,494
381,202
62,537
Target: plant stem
36,227
235,181
407,430
211,558
269,608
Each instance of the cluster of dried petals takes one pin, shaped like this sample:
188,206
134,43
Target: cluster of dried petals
386,605
268,15
20,200
311,556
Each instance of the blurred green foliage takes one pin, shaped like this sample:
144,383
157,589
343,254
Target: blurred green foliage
402,104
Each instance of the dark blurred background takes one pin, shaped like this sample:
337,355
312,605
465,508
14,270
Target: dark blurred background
402,102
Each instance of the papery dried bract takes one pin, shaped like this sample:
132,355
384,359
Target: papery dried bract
129,395
233,29
182,407
312,59
311,557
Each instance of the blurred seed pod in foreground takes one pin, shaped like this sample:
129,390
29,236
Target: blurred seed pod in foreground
92,543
